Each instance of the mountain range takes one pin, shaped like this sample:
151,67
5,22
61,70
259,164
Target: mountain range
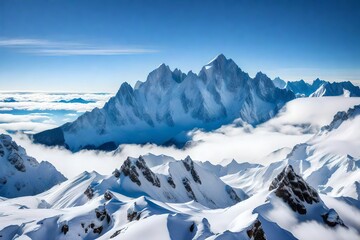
318,88
168,104
314,189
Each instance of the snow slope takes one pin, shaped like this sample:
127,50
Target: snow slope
21,174
269,214
329,161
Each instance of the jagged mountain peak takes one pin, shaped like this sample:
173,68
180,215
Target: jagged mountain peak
218,59
260,75
279,83
293,189
220,63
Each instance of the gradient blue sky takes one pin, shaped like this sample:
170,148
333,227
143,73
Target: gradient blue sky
88,45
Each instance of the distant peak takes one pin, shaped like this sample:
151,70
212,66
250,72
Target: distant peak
163,67
261,75
125,88
138,84
218,59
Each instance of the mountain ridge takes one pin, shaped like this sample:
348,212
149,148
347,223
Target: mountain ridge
172,103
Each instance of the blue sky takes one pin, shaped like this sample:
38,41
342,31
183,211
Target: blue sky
87,45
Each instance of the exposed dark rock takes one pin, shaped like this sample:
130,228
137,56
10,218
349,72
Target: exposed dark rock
332,219
188,188
146,171
65,228
89,192
116,233
189,165
342,116
294,190
102,215
108,195
98,230
171,182
129,170
2,152
256,232
15,160
232,193
192,227
133,215
116,173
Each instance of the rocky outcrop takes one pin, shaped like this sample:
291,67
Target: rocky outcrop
148,174
332,219
89,192
130,171
293,190
189,165
171,182
133,213
108,195
232,193
65,229
342,116
102,215
188,188
21,174
256,231
116,173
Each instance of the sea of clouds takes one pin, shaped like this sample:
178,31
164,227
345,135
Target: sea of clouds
31,112
295,123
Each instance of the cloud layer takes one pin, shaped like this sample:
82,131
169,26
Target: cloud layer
35,112
44,47
234,141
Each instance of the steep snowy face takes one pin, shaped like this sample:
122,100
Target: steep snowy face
321,88
170,103
294,190
21,174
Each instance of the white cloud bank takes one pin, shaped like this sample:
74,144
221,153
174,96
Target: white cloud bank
229,142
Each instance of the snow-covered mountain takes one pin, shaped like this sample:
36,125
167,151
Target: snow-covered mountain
314,190
329,162
279,83
21,174
287,208
169,103
321,88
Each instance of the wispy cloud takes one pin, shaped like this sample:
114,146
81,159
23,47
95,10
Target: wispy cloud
44,47
92,51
